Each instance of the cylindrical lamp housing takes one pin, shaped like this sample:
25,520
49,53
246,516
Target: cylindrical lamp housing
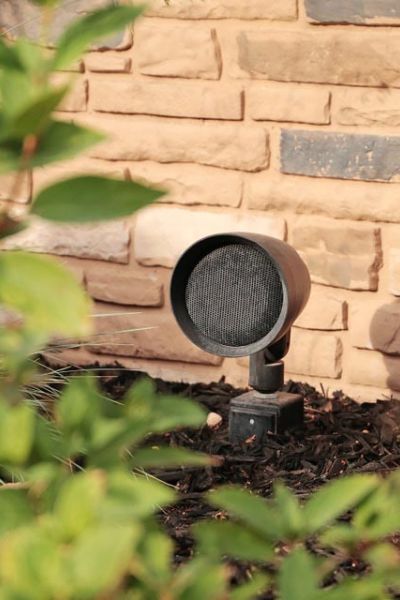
235,294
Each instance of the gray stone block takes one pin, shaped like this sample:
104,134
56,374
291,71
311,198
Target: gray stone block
340,155
354,11
21,18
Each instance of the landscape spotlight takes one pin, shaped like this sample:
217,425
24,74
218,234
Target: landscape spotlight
238,294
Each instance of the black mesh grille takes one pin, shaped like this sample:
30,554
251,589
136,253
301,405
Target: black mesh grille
234,295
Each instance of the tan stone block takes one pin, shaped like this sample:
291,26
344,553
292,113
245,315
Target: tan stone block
284,10
7,185
177,50
324,310
333,198
44,176
163,233
157,336
338,255
105,62
290,103
191,184
375,369
328,56
193,99
76,99
227,145
337,238
102,241
314,354
376,326
367,107
394,271
121,285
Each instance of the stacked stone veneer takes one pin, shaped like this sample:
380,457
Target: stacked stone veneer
256,115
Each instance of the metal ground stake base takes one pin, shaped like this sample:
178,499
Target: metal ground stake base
254,413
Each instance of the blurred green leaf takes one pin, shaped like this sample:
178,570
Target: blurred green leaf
340,535
258,583
16,92
59,141
17,426
8,57
95,26
100,558
336,498
33,286
77,503
383,557
35,116
31,57
366,588
289,510
79,404
92,198
200,579
31,565
168,457
15,509
155,555
297,578
130,496
9,226
251,509
162,411
217,539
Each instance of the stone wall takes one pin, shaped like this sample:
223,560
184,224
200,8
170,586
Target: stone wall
261,115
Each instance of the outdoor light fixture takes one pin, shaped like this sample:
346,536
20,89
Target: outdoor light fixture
238,294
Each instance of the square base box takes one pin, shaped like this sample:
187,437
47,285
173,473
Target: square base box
253,414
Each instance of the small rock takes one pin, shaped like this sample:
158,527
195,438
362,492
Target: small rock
214,420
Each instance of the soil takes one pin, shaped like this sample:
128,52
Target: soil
339,436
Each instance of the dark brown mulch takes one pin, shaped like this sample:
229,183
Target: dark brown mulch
339,436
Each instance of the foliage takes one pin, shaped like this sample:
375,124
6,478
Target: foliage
279,533
78,514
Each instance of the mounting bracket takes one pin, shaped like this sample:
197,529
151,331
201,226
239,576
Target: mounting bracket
265,409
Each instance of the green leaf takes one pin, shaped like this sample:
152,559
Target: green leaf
297,577
155,555
336,498
367,588
95,26
289,510
8,57
100,558
16,93
217,539
9,226
59,141
383,557
17,427
198,580
250,509
157,413
168,457
77,503
340,535
36,115
130,496
78,405
30,560
91,198
248,591
15,509
33,286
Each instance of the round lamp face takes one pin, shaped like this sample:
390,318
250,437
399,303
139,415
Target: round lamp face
228,295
